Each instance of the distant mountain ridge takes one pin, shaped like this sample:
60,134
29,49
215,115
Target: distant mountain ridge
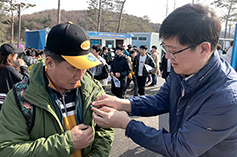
84,18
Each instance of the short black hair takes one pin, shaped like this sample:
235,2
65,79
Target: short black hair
120,47
105,48
154,46
97,48
129,46
143,47
132,51
56,57
192,24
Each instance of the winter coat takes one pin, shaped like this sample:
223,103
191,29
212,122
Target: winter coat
102,72
202,109
148,61
155,57
122,65
9,75
48,136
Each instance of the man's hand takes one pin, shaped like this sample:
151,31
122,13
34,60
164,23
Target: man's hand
117,74
112,102
82,136
110,118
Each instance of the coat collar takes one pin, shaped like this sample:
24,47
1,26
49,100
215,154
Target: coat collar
204,75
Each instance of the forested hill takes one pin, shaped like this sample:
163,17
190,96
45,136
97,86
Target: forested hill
87,20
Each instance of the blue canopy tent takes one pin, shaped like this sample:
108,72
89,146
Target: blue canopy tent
36,39
233,62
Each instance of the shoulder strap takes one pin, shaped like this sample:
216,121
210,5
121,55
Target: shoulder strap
27,109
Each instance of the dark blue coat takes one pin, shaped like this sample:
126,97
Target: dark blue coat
203,117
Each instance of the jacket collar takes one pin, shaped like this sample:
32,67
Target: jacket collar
202,76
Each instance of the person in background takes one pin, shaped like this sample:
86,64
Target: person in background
29,58
135,47
155,72
227,56
56,102
219,49
111,55
139,67
200,93
120,68
12,70
100,71
104,54
132,76
39,54
165,67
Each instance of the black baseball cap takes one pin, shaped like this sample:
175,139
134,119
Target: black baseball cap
9,48
72,42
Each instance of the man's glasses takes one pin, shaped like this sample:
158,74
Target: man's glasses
172,54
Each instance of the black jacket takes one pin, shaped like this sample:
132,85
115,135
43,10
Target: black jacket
10,75
163,67
148,61
122,65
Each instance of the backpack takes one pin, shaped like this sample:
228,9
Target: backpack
26,108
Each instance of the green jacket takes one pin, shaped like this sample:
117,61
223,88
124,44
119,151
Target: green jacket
48,137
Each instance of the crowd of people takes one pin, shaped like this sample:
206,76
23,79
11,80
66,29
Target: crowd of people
53,101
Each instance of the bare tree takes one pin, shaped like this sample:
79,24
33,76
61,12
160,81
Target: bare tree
120,16
99,16
59,12
19,27
12,6
12,21
231,15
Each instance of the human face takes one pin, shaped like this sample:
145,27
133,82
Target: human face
105,51
63,75
15,57
93,51
186,63
153,49
119,52
133,55
142,52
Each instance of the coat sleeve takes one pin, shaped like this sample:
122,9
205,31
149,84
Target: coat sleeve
102,141
212,124
15,140
20,76
127,68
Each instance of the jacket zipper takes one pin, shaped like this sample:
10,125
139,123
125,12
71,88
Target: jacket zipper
182,95
90,102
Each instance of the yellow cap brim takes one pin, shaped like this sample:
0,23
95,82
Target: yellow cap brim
82,62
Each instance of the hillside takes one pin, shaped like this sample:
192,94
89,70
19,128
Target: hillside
86,19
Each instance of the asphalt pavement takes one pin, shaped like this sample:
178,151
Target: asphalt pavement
124,146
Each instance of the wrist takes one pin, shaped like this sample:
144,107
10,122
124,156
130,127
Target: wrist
125,105
125,122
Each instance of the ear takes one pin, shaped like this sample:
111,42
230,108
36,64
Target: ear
10,56
205,49
49,62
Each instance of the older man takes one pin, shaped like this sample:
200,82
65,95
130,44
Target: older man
50,114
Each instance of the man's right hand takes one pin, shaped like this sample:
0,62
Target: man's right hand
82,136
112,102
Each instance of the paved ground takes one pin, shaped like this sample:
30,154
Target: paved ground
125,147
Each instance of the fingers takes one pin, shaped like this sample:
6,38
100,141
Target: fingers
82,126
100,101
